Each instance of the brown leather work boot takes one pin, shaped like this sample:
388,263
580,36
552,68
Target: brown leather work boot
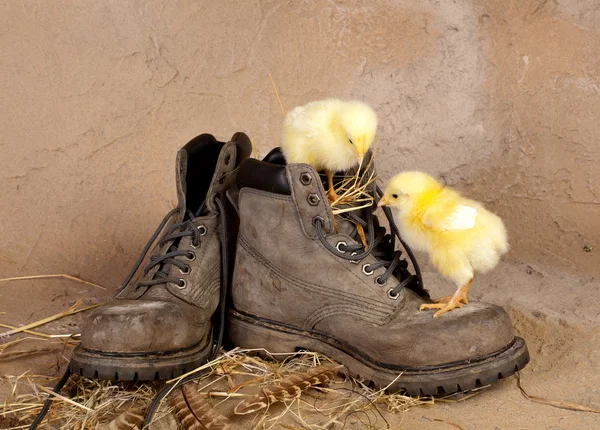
300,284
159,326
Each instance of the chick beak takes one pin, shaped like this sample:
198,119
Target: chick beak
360,156
383,202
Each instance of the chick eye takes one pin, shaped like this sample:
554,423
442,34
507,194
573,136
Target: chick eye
395,196
350,140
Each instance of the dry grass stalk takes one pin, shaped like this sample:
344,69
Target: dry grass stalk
556,403
277,94
37,333
254,149
70,311
14,355
235,375
59,275
85,402
450,423
353,191
63,398
14,342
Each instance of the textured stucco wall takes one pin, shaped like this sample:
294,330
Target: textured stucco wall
501,98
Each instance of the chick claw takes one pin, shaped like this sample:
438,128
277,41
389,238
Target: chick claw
443,307
446,304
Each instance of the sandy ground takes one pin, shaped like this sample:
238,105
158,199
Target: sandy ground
555,313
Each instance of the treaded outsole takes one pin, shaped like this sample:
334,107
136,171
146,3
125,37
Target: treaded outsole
248,332
94,364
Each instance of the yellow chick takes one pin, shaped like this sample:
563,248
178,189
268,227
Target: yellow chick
330,135
460,235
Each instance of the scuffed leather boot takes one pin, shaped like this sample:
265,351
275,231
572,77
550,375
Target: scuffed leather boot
299,284
159,326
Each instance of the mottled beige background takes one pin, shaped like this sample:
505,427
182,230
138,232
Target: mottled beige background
499,97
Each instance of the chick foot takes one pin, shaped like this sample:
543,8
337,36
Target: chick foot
446,299
444,305
361,234
331,194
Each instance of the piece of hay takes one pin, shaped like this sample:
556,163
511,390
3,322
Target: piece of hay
58,275
70,311
37,333
14,355
555,403
277,94
353,190
233,376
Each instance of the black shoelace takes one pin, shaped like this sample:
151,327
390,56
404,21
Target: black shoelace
175,231
381,246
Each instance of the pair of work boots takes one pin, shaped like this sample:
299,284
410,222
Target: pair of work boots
254,250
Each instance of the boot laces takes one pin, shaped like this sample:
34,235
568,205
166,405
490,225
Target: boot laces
381,246
171,256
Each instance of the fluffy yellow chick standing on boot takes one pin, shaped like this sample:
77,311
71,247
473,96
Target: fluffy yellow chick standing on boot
460,235
330,135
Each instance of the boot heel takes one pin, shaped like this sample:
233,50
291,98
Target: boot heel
267,342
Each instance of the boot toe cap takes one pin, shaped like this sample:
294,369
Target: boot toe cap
138,326
472,332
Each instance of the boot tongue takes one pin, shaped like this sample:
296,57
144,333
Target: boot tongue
345,226
195,168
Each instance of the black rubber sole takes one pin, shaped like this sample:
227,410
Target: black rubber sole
95,364
250,332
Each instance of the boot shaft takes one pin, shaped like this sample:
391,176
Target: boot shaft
205,170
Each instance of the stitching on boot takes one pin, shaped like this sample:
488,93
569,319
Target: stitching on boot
211,283
329,310
361,303
262,193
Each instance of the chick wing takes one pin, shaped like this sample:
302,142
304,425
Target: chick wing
461,217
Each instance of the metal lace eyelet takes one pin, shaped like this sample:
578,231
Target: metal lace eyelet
313,199
318,218
182,284
305,178
379,282
392,295
191,256
227,159
202,230
338,247
222,179
193,245
354,261
187,270
366,270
